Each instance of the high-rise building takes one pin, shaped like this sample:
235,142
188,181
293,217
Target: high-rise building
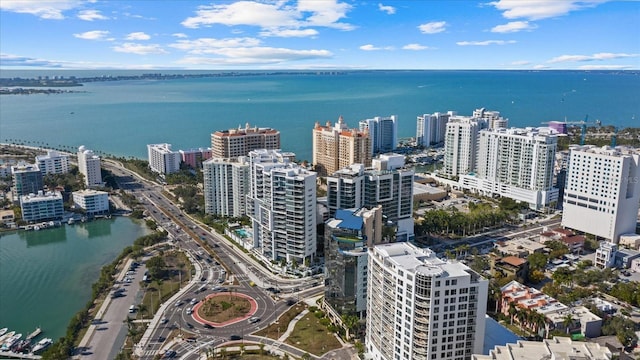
162,159
347,237
239,142
422,307
460,144
53,163
383,132
282,207
336,147
89,166
602,191
27,179
431,128
195,157
226,185
493,118
41,206
388,184
515,163
93,202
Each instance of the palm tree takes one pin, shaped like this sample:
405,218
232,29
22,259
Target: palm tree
512,311
567,321
350,322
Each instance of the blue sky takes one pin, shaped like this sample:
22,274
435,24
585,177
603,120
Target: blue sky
320,34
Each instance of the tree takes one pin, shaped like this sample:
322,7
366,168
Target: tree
350,323
567,321
537,261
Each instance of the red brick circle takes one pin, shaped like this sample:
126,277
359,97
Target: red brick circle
252,310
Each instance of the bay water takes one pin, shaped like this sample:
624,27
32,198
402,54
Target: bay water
46,275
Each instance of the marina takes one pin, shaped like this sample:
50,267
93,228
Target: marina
13,345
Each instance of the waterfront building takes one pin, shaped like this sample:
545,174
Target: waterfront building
523,298
556,348
282,207
460,145
53,163
239,142
162,159
41,206
493,118
89,165
383,133
431,128
422,307
226,185
602,191
387,183
347,237
195,157
515,163
93,202
336,147
27,179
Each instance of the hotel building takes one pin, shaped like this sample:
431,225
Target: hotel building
431,128
421,307
383,132
27,179
162,159
239,142
336,147
515,163
282,207
41,206
387,184
602,191
226,185
53,163
89,166
460,145
92,201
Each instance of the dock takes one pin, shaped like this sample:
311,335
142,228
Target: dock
35,333
12,355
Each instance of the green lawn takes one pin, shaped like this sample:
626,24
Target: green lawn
312,336
274,330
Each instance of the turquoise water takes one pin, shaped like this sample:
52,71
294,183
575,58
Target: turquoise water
122,117
242,233
46,275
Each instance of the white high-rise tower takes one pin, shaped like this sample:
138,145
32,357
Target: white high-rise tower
89,166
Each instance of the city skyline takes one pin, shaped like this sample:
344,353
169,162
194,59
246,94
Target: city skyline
314,34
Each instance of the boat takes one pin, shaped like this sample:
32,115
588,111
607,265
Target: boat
4,337
41,345
70,221
21,346
6,346
3,331
35,333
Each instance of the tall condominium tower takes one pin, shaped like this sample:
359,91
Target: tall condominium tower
602,191
53,163
27,179
162,159
336,147
494,120
388,184
89,166
460,144
347,237
239,142
383,132
226,185
515,163
282,207
422,307
431,128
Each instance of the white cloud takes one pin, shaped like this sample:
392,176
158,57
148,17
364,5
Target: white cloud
513,26
211,45
485,43
414,47
433,27
541,9
45,9
180,35
136,36
540,67
520,63
390,10
289,33
270,16
140,49
605,67
90,15
93,35
594,57
369,47
255,55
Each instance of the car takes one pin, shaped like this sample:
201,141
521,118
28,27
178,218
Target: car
235,337
117,295
189,311
161,338
179,303
190,339
164,320
194,301
253,320
190,326
207,326
203,279
169,354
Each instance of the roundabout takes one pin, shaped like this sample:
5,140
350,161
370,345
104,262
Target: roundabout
222,309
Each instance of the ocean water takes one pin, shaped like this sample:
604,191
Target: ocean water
121,117
46,275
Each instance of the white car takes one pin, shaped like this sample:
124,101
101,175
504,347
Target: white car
194,301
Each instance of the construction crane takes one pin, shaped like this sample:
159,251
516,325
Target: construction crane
583,126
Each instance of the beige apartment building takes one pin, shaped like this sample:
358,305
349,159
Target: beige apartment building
239,142
336,147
